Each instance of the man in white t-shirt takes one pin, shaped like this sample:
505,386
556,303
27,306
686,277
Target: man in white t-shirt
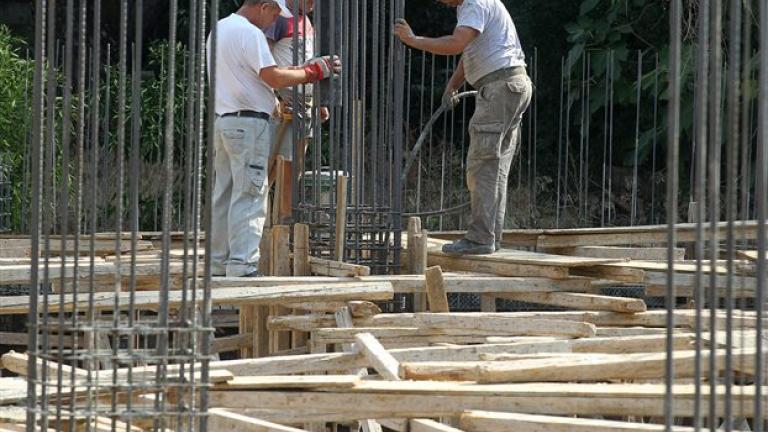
493,62
246,75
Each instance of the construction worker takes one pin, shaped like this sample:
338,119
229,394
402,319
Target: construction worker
492,62
281,41
246,76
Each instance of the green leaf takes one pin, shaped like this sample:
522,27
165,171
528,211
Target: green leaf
587,6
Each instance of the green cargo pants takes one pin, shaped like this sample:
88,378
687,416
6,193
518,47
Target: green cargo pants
494,133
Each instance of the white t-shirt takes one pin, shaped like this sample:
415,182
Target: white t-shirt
497,46
242,51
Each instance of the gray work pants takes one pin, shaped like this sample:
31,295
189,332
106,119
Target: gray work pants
494,134
241,146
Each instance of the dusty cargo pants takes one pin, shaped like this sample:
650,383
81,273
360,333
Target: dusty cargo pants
494,133
241,146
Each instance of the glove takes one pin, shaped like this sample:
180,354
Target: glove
320,68
450,99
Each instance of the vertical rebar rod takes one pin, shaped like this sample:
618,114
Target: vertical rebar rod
638,94
673,148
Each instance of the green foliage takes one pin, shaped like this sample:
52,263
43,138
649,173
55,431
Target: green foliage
15,92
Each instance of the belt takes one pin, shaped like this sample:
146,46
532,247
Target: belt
499,75
250,114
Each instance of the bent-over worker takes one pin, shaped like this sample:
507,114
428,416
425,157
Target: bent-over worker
493,62
246,74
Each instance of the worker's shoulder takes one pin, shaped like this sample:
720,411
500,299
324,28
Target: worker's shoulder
234,25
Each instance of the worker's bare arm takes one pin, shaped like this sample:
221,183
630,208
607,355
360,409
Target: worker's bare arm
457,79
277,77
447,45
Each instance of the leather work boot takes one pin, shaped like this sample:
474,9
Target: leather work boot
253,274
467,247
497,246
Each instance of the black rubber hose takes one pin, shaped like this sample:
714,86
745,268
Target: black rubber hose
415,151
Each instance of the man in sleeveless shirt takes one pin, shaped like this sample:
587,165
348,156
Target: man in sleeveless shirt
493,62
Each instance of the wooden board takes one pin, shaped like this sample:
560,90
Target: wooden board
635,235
580,301
618,252
223,420
600,368
324,267
406,284
387,399
289,382
233,296
484,421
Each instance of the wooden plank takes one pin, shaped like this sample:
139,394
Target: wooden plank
236,342
475,264
387,399
416,258
221,420
743,286
102,271
621,274
281,266
427,425
358,309
324,267
341,217
511,237
438,299
599,368
618,252
454,283
484,421
233,296
301,250
636,235
653,318
289,382
580,301
382,361
246,326
344,320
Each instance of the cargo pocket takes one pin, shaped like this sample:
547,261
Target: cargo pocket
233,134
256,174
485,140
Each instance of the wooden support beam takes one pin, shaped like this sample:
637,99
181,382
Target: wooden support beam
281,266
417,258
580,301
438,299
484,421
341,216
301,250
238,342
246,326
277,195
324,267
290,382
222,420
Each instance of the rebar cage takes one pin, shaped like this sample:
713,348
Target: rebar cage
101,354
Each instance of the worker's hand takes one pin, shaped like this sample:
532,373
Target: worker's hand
325,114
450,98
404,32
320,68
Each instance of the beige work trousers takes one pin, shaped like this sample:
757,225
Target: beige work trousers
241,146
494,133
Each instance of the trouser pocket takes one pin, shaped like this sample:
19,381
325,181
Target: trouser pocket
485,140
256,172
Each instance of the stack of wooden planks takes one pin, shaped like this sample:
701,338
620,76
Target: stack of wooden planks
315,349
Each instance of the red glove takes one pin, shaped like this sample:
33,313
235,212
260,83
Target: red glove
320,68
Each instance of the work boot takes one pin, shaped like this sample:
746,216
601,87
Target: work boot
467,247
253,274
497,246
